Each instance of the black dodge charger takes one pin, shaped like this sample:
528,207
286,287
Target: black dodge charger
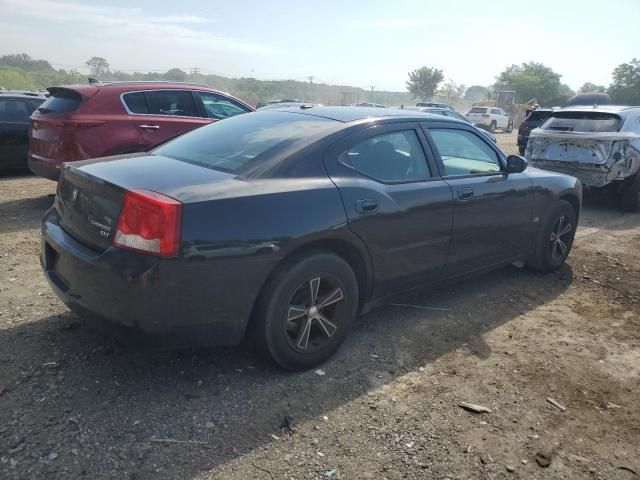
279,226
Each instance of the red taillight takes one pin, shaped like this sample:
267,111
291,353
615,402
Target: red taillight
149,222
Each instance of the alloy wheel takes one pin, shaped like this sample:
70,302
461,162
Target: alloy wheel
560,238
311,319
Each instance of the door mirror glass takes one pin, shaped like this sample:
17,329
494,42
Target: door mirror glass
516,164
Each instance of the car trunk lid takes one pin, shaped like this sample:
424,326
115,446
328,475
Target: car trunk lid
91,193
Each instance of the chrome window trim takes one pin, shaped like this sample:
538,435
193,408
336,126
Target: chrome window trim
129,112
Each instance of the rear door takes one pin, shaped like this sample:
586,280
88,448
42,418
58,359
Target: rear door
395,202
14,129
492,210
160,115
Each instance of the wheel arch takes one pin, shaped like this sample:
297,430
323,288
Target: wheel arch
573,200
356,256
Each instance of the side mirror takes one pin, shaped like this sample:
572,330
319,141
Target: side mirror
516,164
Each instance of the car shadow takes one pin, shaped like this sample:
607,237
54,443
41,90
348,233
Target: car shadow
23,214
107,408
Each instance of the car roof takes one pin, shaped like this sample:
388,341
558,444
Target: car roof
123,87
352,114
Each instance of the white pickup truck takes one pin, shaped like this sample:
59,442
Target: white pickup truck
490,118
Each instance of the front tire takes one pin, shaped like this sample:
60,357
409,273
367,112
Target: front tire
555,238
305,311
629,199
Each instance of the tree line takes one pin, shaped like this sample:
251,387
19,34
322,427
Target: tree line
529,80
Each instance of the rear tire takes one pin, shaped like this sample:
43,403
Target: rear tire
629,199
296,330
555,238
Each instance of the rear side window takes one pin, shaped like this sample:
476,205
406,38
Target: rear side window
390,157
478,110
583,122
171,102
14,111
61,101
136,102
247,140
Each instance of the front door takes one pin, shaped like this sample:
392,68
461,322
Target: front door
493,210
395,202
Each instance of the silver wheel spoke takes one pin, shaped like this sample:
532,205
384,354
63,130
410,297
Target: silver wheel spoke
563,246
554,253
332,298
328,327
565,230
303,335
295,312
314,286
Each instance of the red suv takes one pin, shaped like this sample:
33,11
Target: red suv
78,122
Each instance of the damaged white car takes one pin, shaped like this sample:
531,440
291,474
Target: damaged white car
600,145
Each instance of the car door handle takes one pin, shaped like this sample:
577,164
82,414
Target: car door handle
465,193
367,205
150,127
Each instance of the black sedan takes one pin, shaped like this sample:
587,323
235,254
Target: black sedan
281,225
15,111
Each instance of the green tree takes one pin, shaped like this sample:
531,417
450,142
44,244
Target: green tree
176,75
423,82
530,80
589,87
476,93
625,89
452,91
98,66
564,94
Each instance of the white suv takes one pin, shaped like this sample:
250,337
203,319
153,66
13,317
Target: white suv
490,118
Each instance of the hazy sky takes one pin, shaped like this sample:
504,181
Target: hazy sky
360,43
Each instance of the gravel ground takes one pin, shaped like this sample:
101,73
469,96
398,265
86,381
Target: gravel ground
556,358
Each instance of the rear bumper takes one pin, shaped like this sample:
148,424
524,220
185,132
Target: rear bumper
44,167
134,296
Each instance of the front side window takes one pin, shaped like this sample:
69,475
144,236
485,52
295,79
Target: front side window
464,153
14,111
219,106
390,157
171,102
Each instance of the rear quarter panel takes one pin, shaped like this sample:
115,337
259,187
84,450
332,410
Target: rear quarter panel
549,187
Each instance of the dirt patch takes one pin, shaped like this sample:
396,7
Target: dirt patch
76,405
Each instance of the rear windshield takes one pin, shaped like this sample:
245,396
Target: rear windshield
61,101
478,110
537,116
583,122
233,143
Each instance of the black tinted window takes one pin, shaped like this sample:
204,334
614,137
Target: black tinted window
136,102
246,139
390,157
178,103
478,110
464,153
219,106
61,101
583,122
14,111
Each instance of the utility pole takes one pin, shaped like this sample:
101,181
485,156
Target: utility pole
372,87
195,71
311,77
